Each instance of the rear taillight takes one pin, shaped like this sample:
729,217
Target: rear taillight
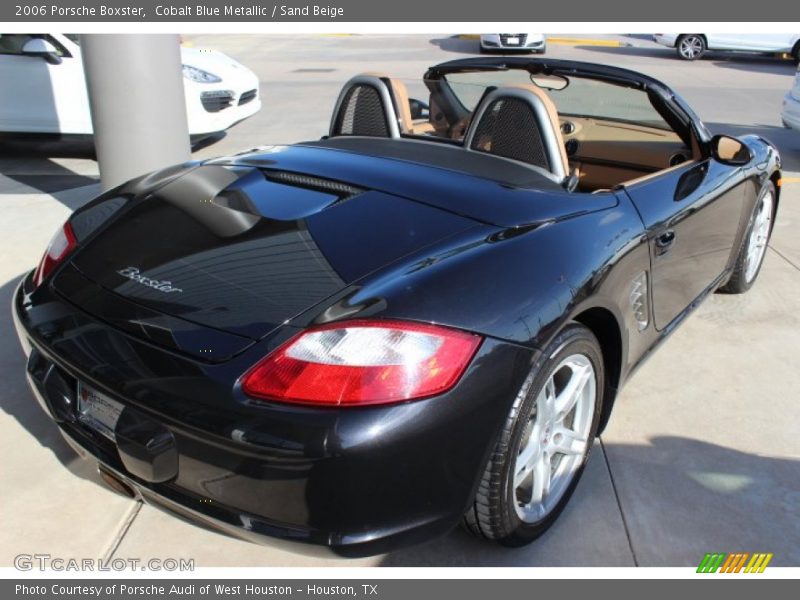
363,362
60,246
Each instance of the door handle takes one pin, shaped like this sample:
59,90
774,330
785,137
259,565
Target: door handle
664,242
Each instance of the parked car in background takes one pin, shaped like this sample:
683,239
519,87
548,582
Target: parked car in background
513,42
691,46
44,89
791,105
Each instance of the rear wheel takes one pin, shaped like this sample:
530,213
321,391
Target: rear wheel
751,256
796,53
691,46
545,443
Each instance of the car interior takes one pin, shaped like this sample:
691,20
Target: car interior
598,136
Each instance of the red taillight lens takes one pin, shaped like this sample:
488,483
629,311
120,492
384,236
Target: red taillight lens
60,246
363,362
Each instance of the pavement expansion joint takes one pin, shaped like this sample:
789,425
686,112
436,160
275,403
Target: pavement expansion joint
127,522
619,504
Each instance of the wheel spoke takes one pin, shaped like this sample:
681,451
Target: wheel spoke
541,481
569,395
545,402
525,461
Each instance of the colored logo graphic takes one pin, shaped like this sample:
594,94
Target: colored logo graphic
737,562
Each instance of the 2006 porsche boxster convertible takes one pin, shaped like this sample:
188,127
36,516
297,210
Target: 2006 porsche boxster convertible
421,319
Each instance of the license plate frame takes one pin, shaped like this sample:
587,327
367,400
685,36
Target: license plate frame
512,41
98,411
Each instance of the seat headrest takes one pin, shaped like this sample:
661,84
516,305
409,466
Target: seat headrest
520,123
365,107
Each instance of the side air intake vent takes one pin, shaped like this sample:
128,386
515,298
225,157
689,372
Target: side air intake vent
639,301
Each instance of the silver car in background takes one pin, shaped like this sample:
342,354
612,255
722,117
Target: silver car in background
691,46
791,105
513,42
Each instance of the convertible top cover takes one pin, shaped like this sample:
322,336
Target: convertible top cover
446,156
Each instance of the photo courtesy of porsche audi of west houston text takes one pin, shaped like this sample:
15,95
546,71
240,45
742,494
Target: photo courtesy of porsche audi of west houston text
418,320
158,590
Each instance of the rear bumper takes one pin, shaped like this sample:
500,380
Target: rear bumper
351,482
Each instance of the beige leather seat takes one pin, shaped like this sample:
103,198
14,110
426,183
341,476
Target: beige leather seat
403,106
520,123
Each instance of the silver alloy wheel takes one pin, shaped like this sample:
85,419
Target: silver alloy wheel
759,235
690,47
556,438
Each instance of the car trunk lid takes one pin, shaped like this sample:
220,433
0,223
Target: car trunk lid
241,250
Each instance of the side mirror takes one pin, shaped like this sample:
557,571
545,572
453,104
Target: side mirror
419,110
730,151
42,49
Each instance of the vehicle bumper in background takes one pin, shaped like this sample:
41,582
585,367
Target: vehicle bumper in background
665,39
214,111
526,42
354,482
791,112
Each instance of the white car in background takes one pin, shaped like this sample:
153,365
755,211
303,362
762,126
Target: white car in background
513,42
791,105
43,90
691,46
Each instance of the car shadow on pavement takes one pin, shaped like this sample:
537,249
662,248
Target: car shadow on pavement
34,164
755,64
47,147
647,52
54,180
457,44
680,498
16,399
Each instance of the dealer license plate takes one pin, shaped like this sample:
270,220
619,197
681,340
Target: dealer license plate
512,41
97,410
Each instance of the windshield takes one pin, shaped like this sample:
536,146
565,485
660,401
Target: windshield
582,97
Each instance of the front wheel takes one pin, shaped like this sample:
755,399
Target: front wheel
751,255
545,442
691,46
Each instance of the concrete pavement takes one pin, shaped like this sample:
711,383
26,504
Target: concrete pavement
701,453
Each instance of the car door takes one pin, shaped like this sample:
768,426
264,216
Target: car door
692,214
755,42
37,96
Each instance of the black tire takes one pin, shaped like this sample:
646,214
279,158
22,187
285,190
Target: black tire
739,282
796,53
691,46
493,514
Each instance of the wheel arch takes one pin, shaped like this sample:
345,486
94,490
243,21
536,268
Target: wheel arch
700,35
775,178
606,328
